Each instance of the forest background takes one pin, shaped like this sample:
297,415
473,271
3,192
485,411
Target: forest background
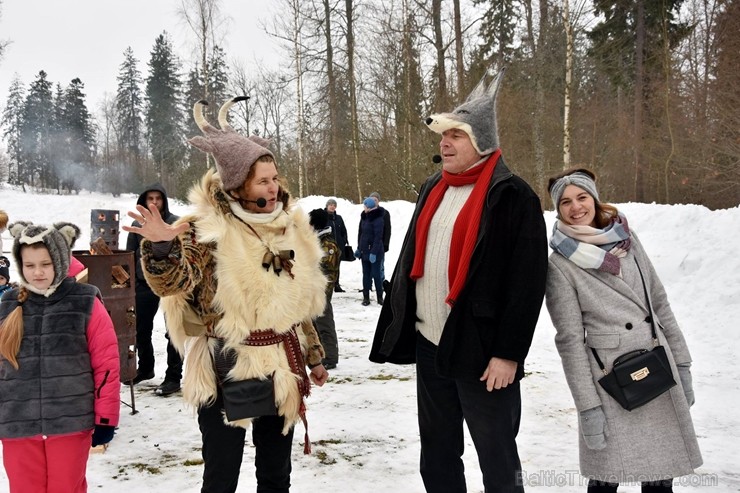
645,92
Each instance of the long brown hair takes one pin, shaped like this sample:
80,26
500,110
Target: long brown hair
11,331
604,213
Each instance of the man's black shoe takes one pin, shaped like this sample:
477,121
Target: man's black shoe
167,387
338,289
140,377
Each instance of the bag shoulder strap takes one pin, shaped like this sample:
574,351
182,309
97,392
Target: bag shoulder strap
650,318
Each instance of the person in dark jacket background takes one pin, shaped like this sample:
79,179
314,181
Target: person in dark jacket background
339,233
464,300
386,231
147,304
370,249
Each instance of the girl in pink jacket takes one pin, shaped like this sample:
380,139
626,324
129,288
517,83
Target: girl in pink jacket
59,366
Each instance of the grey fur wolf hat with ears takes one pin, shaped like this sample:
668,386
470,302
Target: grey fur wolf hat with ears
57,238
476,116
234,153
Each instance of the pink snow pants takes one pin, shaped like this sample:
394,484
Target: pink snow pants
55,464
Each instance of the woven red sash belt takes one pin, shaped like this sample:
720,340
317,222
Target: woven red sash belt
295,360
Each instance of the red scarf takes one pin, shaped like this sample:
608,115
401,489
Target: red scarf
465,230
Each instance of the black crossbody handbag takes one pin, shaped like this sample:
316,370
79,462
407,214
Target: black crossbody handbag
243,399
638,377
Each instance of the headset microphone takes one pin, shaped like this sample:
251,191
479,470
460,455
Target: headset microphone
436,159
261,202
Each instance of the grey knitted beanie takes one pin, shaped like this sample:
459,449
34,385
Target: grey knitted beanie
579,179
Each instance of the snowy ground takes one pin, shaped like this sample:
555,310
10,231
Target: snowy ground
363,422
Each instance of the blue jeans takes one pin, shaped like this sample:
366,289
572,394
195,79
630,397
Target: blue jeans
492,419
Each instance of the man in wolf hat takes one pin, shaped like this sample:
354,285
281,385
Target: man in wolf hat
465,297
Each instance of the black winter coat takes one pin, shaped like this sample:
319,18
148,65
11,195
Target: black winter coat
497,309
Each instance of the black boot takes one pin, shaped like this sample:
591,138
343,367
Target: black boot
380,297
365,298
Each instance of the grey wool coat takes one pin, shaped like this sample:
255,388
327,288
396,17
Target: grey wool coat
657,440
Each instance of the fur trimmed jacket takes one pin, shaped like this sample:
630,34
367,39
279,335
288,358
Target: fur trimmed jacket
216,268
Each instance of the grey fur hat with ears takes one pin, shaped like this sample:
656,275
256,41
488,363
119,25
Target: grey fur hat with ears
476,116
58,240
234,153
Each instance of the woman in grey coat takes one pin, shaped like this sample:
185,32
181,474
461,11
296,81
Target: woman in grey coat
596,299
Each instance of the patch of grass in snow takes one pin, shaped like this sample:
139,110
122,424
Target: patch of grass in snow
193,462
383,377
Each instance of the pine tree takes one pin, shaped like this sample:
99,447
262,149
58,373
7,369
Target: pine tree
164,112
128,113
12,124
36,132
218,82
76,126
497,30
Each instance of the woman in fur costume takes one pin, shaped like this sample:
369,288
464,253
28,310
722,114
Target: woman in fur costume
246,267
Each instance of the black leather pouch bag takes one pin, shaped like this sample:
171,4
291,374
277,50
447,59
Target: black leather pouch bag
249,398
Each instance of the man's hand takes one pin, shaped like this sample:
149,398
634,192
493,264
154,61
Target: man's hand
319,375
499,373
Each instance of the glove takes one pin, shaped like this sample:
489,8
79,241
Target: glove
373,258
102,434
684,373
593,427
358,254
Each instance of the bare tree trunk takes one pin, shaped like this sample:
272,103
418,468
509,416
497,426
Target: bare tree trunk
439,47
353,93
333,104
639,94
459,51
298,60
667,93
568,82
540,99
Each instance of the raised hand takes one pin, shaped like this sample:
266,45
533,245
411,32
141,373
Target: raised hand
152,226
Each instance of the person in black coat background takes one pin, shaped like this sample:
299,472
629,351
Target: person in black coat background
370,249
147,304
339,232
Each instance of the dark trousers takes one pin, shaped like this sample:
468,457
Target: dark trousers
492,419
372,272
327,331
223,448
665,486
147,304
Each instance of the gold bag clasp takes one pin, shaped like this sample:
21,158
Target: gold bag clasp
640,374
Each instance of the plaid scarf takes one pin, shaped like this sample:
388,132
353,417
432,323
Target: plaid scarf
592,248
465,230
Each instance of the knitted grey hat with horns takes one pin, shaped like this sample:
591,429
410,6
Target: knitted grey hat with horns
476,116
234,153
58,240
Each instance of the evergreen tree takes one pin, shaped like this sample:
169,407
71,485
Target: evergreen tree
218,82
497,30
129,105
38,109
194,91
12,124
164,112
614,38
79,137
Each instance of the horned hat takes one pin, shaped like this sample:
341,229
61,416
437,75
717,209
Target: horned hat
234,153
476,116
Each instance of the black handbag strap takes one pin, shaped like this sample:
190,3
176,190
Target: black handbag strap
650,318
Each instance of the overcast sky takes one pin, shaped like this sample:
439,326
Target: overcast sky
87,38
